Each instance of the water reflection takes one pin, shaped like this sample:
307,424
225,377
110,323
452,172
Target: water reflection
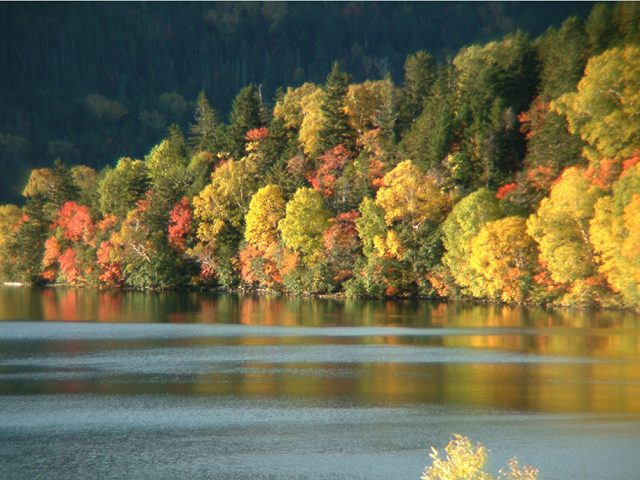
123,371
547,331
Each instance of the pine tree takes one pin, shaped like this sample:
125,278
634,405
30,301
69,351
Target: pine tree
420,75
27,247
335,128
246,114
564,56
207,133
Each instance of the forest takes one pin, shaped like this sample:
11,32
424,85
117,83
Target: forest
509,172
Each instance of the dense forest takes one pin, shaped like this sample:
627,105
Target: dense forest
91,82
509,171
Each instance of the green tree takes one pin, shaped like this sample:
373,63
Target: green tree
494,83
335,128
122,187
419,77
168,160
246,114
563,55
207,134
605,110
304,224
464,222
615,233
26,248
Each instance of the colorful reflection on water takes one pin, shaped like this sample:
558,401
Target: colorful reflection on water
521,380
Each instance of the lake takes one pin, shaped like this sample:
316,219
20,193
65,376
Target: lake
111,384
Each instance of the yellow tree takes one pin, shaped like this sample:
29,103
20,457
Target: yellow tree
615,231
305,223
409,197
464,461
366,103
605,110
225,201
290,109
561,227
506,257
309,133
413,210
464,222
266,209
220,209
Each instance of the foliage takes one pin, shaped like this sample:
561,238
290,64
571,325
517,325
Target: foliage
561,227
506,257
464,461
615,233
266,209
605,110
464,222
304,224
347,187
409,197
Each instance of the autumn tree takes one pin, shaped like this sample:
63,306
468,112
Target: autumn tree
266,209
561,227
615,233
220,210
506,257
55,185
262,260
604,111
122,187
465,461
180,225
413,210
464,222
329,179
10,219
342,245
304,224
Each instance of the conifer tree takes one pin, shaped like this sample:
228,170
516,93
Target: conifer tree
335,129
207,133
246,114
420,75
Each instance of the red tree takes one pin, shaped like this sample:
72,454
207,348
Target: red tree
180,223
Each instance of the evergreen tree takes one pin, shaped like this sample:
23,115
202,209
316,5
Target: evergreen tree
564,55
420,75
27,247
601,28
246,114
335,129
207,133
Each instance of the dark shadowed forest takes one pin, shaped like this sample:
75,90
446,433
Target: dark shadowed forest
91,82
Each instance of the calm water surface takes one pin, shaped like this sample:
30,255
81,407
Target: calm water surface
184,386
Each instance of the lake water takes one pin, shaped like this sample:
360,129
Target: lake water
183,386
